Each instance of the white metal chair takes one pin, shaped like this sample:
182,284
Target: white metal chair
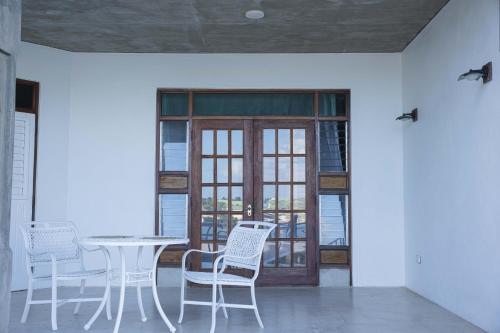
53,244
243,250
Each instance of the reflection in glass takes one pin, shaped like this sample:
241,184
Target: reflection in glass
207,198
299,169
222,142
220,247
222,226
333,217
237,170
173,215
268,169
207,170
269,256
269,197
332,146
207,142
207,227
284,225
284,141
285,251
222,170
174,146
268,141
299,225
222,198
284,197
284,169
299,254
299,197
299,141
237,198
332,104
237,142
235,219
270,217
206,258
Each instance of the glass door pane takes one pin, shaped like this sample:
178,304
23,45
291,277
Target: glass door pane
221,165
284,188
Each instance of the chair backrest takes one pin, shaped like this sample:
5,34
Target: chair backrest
247,239
58,238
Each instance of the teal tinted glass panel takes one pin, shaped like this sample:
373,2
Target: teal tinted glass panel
253,104
174,104
331,105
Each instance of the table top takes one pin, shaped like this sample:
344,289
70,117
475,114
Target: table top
118,240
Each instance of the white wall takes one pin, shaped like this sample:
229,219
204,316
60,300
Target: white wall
111,150
452,163
52,69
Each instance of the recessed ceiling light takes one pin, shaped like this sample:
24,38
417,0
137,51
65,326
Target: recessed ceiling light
254,14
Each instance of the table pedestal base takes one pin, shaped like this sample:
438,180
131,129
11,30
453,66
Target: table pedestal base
135,277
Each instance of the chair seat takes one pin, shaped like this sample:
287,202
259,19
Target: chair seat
222,278
74,275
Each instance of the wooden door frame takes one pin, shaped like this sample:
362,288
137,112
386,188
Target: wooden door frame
308,275
174,255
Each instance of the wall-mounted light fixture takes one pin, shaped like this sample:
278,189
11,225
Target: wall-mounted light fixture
485,73
413,115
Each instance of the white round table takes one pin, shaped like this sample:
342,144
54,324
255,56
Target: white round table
136,276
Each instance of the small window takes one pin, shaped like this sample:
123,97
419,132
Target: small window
174,104
332,105
333,211
332,146
173,215
174,145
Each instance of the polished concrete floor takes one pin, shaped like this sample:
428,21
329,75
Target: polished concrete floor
309,310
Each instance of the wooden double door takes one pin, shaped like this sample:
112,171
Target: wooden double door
257,170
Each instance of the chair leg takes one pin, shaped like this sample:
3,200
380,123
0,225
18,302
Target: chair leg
105,301
108,306
139,301
108,301
29,296
222,301
254,303
53,303
183,283
214,307
82,290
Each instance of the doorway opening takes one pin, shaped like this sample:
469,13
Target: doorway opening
23,175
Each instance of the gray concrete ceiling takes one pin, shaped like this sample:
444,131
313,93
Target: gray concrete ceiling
213,26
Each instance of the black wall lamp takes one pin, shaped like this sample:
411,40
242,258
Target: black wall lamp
413,115
485,73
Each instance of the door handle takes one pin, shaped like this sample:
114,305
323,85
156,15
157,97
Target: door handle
249,210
